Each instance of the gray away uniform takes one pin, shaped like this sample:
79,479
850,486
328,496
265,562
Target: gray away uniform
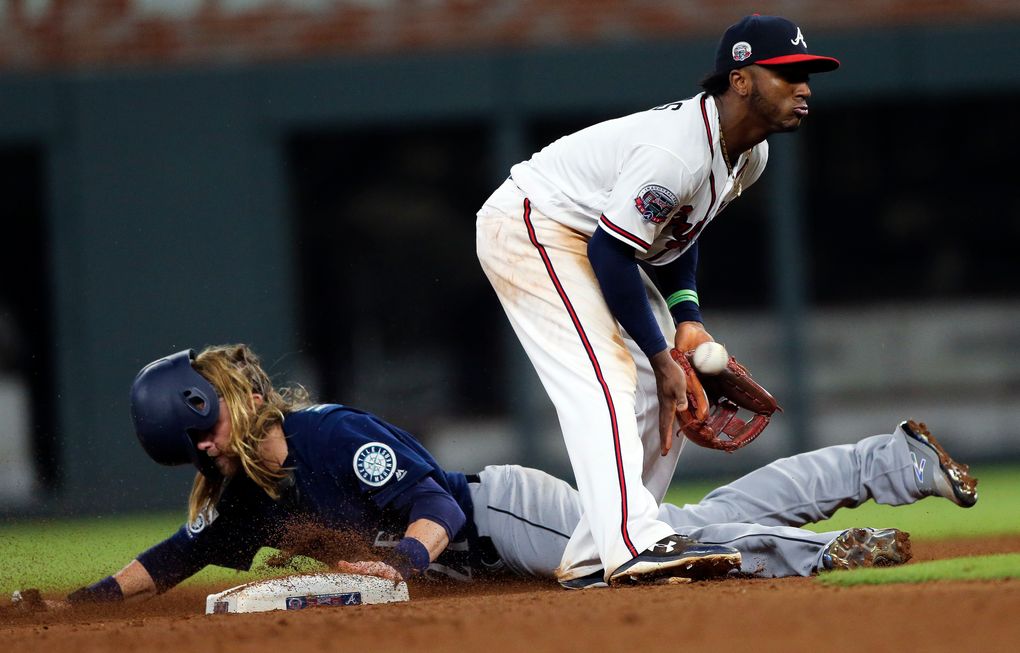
529,515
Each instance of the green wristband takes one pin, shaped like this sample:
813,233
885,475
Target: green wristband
682,296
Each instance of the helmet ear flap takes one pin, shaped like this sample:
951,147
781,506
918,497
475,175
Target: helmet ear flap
170,402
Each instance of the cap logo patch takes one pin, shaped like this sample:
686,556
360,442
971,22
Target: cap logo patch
655,203
742,50
799,40
375,463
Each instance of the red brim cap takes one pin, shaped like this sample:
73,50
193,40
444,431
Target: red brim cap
810,62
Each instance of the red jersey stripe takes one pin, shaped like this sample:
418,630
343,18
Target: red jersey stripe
623,232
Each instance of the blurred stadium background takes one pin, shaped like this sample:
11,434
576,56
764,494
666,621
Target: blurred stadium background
303,175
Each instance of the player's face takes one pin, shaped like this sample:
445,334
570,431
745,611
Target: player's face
779,96
216,444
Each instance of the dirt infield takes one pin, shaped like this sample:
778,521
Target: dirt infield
766,615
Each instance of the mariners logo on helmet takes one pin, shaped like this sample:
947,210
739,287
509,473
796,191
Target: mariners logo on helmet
655,203
375,463
741,51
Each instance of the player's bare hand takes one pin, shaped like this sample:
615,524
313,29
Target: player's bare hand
671,387
689,335
31,600
370,568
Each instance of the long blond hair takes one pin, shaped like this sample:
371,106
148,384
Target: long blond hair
236,373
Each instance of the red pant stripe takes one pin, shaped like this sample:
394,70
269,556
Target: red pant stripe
598,373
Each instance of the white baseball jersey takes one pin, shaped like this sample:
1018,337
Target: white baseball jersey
653,179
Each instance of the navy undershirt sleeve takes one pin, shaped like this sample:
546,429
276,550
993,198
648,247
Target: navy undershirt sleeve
229,538
226,542
428,500
173,560
617,272
680,274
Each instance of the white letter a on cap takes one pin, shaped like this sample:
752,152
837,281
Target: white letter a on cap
799,39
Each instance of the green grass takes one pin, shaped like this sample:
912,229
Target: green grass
989,567
58,555
62,555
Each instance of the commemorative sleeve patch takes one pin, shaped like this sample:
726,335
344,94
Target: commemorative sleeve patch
656,203
375,463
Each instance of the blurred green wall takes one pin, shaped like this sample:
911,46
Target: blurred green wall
168,212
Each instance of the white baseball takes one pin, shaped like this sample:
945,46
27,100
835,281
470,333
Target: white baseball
710,358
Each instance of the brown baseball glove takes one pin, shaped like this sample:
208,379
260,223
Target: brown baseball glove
713,401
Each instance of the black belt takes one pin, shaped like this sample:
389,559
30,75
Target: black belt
473,478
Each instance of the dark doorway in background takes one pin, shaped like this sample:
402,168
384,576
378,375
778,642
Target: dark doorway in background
397,314
26,350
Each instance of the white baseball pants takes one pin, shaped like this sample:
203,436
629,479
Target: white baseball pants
598,379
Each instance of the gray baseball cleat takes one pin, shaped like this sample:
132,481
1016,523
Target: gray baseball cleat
677,556
867,547
935,472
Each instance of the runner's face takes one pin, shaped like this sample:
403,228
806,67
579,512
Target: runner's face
779,96
216,444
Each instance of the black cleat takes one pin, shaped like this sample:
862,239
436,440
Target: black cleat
677,556
591,581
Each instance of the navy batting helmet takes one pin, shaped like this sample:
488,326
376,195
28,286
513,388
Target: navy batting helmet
171,403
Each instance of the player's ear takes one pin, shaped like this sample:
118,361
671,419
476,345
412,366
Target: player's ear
257,399
741,81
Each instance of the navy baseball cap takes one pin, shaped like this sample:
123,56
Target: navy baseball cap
768,41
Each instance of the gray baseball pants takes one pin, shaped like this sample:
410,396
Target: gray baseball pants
529,515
